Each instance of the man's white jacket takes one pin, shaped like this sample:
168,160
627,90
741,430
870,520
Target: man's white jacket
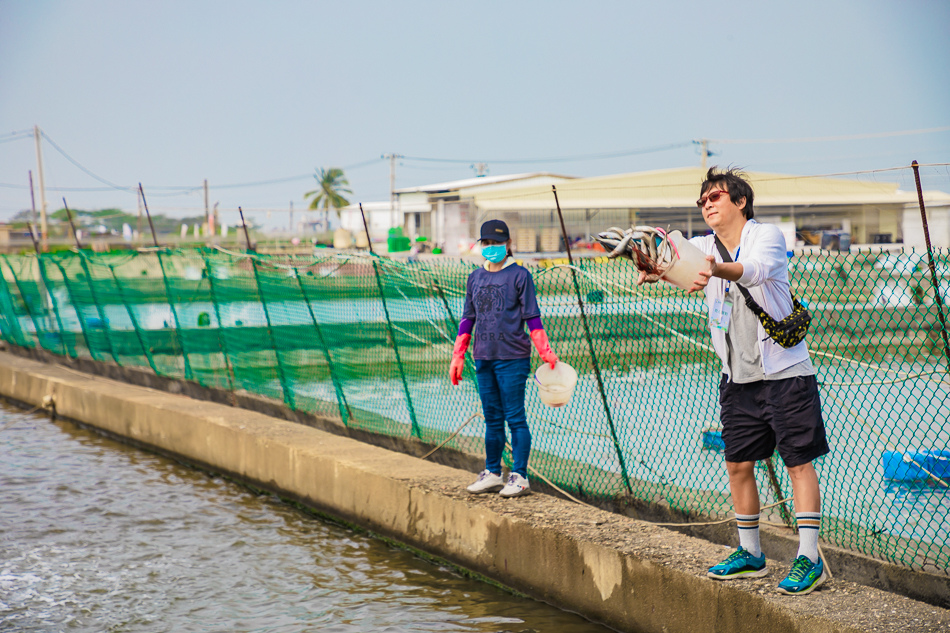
765,274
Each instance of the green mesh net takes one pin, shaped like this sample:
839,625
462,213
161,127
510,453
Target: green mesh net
368,341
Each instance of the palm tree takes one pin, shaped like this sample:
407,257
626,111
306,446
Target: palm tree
332,184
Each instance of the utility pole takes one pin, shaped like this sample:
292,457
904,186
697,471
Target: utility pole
32,204
39,171
208,223
704,152
392,187
138,224
291,227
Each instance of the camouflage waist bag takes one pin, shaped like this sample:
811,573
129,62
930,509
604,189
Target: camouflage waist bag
788,332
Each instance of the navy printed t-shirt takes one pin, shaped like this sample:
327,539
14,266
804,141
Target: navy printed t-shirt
500,303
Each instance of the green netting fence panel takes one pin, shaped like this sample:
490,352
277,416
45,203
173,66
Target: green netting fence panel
368,341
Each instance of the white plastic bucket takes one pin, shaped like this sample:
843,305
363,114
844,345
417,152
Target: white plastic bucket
688,260
555,386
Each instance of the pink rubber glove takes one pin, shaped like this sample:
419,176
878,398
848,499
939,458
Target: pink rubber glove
458,357
540,340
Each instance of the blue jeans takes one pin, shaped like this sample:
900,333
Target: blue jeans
501,386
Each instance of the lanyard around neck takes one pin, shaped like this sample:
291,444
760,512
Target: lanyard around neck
729,282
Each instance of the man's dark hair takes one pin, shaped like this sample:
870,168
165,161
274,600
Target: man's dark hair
733,181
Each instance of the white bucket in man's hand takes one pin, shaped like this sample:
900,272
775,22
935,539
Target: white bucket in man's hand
555,386
688,260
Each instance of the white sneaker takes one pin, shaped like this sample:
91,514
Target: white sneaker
487,482
516,486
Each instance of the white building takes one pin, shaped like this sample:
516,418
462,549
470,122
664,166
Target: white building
809,208
444,212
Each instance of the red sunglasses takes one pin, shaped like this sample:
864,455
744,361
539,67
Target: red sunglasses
712,196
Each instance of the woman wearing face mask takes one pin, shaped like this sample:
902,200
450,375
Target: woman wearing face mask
499,300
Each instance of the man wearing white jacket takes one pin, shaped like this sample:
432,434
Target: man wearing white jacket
768,394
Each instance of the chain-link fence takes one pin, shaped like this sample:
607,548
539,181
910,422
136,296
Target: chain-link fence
368,340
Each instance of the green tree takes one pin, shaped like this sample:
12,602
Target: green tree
112,219
332,184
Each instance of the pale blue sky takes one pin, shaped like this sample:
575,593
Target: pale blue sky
172,92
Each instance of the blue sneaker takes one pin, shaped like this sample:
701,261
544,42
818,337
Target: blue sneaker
804,577
739,564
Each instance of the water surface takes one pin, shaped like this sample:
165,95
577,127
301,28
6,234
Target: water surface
98,536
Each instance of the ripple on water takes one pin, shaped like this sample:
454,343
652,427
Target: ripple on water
96,536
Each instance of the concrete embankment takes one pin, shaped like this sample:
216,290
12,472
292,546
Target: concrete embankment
629,574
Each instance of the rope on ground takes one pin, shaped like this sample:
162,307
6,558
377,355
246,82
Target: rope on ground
449,438
727,519
578,501
555,486
508,446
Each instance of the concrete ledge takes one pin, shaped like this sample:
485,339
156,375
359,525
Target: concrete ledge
932,588
628,574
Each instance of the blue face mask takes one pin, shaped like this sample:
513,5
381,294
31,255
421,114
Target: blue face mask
495,253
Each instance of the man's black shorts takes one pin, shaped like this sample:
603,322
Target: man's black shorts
760,415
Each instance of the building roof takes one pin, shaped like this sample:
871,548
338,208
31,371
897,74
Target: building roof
679,188
403,206
481,181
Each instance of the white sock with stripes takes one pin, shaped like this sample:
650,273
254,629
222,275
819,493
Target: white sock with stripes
809,524
748,525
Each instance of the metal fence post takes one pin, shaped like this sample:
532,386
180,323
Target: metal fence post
288,392
135,322
392,333
222,345
933,268
590,344
345,413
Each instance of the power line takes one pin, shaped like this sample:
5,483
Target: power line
559,159
264,182
16,136
178,191
364,163
187,189
819,139
184,188
81,167
274,181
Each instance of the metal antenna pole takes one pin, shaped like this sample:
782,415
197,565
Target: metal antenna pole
148,215
247,238
930,257
36,244
366,228
590,343
69,216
